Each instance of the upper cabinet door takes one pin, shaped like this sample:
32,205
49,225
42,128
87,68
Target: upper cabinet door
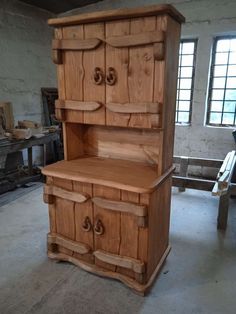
130,56
83,60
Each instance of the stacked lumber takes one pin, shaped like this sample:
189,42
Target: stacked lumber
224,175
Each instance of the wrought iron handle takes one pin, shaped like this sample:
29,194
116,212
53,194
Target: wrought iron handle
99,228
87,226
98,76
111,77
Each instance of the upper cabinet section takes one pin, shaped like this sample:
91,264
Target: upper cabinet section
112,72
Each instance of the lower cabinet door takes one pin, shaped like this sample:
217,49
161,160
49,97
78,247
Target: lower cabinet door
116,234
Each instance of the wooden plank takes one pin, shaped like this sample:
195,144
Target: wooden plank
159,217
91,60
74,72
192,183
203,162
72,140
134,107
119,14
129,240
75,44
58,33
77,105
82,211
143,234
64,215
120,174
142,38
125,207
141,74
62,193
74,246
109,241
119,60
121,143
51,211
183,171
122,261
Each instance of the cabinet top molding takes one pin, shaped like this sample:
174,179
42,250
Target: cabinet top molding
118,14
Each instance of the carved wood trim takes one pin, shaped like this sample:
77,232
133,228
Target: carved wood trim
76,44
77,247
154,107
125,207
77,105
136,39
127,262
62,193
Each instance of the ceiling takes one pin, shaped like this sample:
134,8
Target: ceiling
59,6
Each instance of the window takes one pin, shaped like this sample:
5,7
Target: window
222,86
187,60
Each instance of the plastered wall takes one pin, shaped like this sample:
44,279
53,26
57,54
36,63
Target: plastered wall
25,59
204,20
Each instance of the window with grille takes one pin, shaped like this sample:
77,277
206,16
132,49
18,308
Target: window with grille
221,109
186,71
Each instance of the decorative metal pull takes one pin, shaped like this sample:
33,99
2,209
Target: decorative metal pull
86,226
111,77
98,76
99,228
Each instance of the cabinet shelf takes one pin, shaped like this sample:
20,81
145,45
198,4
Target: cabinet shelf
122,174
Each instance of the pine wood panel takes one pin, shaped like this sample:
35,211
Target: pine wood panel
169,107
120,143
64,214
82,211
141,78
74,72
143,235
72,141
91,60
51,211
110,240
119,60
159,216
129,233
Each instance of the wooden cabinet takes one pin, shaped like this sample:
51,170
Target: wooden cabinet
109,200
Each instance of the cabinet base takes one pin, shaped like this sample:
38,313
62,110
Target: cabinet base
131,283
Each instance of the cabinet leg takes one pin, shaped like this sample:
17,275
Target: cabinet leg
223,212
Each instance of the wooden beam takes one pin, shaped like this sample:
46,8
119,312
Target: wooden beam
144,38
76,44
192,183
134,107
59,192
77,105
74,246
203,162
127,262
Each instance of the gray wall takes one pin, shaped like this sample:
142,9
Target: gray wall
204,20
25,54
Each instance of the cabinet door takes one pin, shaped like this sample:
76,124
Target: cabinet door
116,232
136,74
83,96
71,218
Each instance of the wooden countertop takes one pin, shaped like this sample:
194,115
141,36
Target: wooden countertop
123,13
116,173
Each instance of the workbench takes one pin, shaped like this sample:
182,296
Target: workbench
11,146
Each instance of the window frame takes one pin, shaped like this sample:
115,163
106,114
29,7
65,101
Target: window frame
210,85
195,41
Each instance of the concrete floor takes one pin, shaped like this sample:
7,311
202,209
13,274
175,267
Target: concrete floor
198,277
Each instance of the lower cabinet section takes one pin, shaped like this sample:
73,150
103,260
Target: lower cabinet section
110,232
